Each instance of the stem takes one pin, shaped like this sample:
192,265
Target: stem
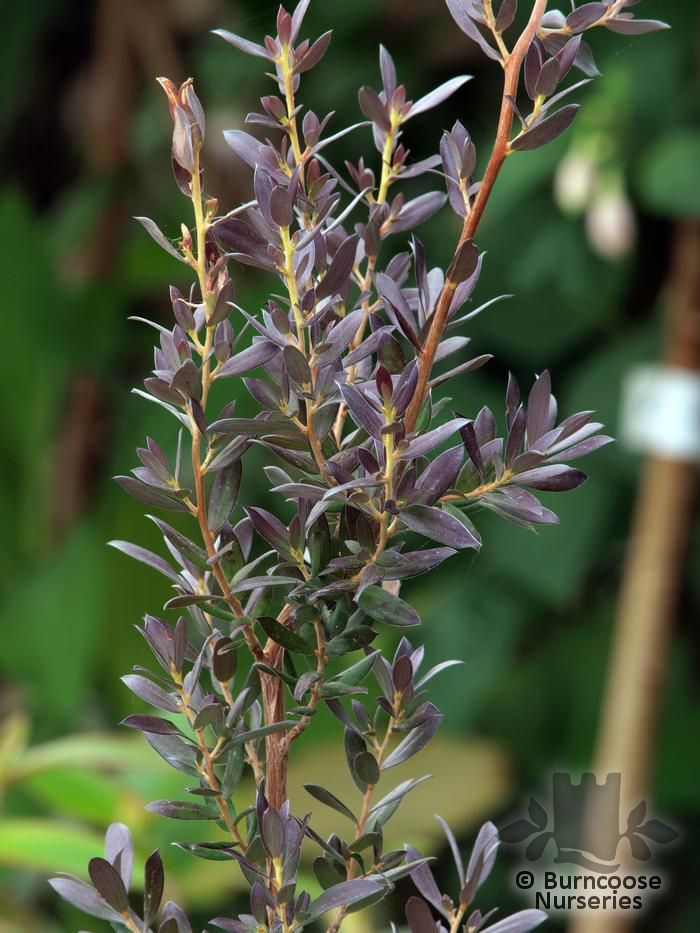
322,660
385,181
200,264
289,99
380,754
471,222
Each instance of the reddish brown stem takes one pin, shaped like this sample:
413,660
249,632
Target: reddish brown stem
512,68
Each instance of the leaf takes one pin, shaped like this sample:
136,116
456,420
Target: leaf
436,97
440,526
153,887
363,414
153,724
342,895
372,107
147,557
84,897
284,636
255,355
154,230
584,16
366,768
251,48
424,880
547,130
634,27
454,848
416,740
424,443
181,810
383,606
553,478
356,673
330,800
242,737
339,269
149,494
522,922
417,211
223,495
108,883
151,693
419,917
119,846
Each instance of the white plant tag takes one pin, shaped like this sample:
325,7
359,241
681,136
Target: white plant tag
661,412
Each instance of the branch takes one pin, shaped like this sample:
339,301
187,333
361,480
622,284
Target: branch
512,66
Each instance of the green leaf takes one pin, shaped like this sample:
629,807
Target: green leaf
285,636
383,606
357,672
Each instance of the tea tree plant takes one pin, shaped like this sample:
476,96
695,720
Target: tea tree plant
344,365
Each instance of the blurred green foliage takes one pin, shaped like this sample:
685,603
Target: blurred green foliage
530,616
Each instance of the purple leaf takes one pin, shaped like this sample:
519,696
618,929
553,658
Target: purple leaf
547,130
109,884
437,478
151,693
506,14
342,895
538,405
373,108
152,724
417,211
363,414
436,97
281,208
634,27
154,230
521,922
246,146
418,915
153,888
422,445
440,526
582,449
461,10
84,897
145,556
423,879
251,48
584,16
416,740
339,270
250,358
119,845
552,478
454,848
315,53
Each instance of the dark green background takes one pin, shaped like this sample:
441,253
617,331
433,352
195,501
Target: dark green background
84,137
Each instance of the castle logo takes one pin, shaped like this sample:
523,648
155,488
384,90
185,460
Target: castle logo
585,825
